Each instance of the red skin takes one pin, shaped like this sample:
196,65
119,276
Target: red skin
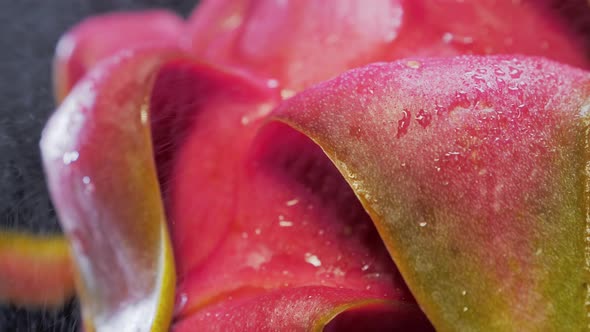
471,167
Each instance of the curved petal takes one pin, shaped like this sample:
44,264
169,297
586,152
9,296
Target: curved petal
316,308
256,210
198,136
100,37
474,170
35,270
99,164
303,42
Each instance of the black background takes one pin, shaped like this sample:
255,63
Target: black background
29,31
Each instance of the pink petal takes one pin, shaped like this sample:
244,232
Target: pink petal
102,178
100,37
316,308
474,170
296,42
253,211
303,42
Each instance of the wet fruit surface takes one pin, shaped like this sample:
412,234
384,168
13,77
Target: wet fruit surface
258,213
483,210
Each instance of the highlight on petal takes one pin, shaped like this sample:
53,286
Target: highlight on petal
298,43
474,170
100,170
100,37
257,214
295,42
35,270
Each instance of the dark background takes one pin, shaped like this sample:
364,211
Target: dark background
29,31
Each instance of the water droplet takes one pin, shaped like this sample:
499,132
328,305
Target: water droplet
515,72
499,72
143,114
413,64
423,224
70,157
403,124
464,292
338,272
355,131
285,223
465,309
479,79
365,267
287,93
447,37
181,302
257,258
89,186
461,100
272,83
439,109
423,118
292,202
520,110
375,275
313,259
257,231
467,40
262,111
244,235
